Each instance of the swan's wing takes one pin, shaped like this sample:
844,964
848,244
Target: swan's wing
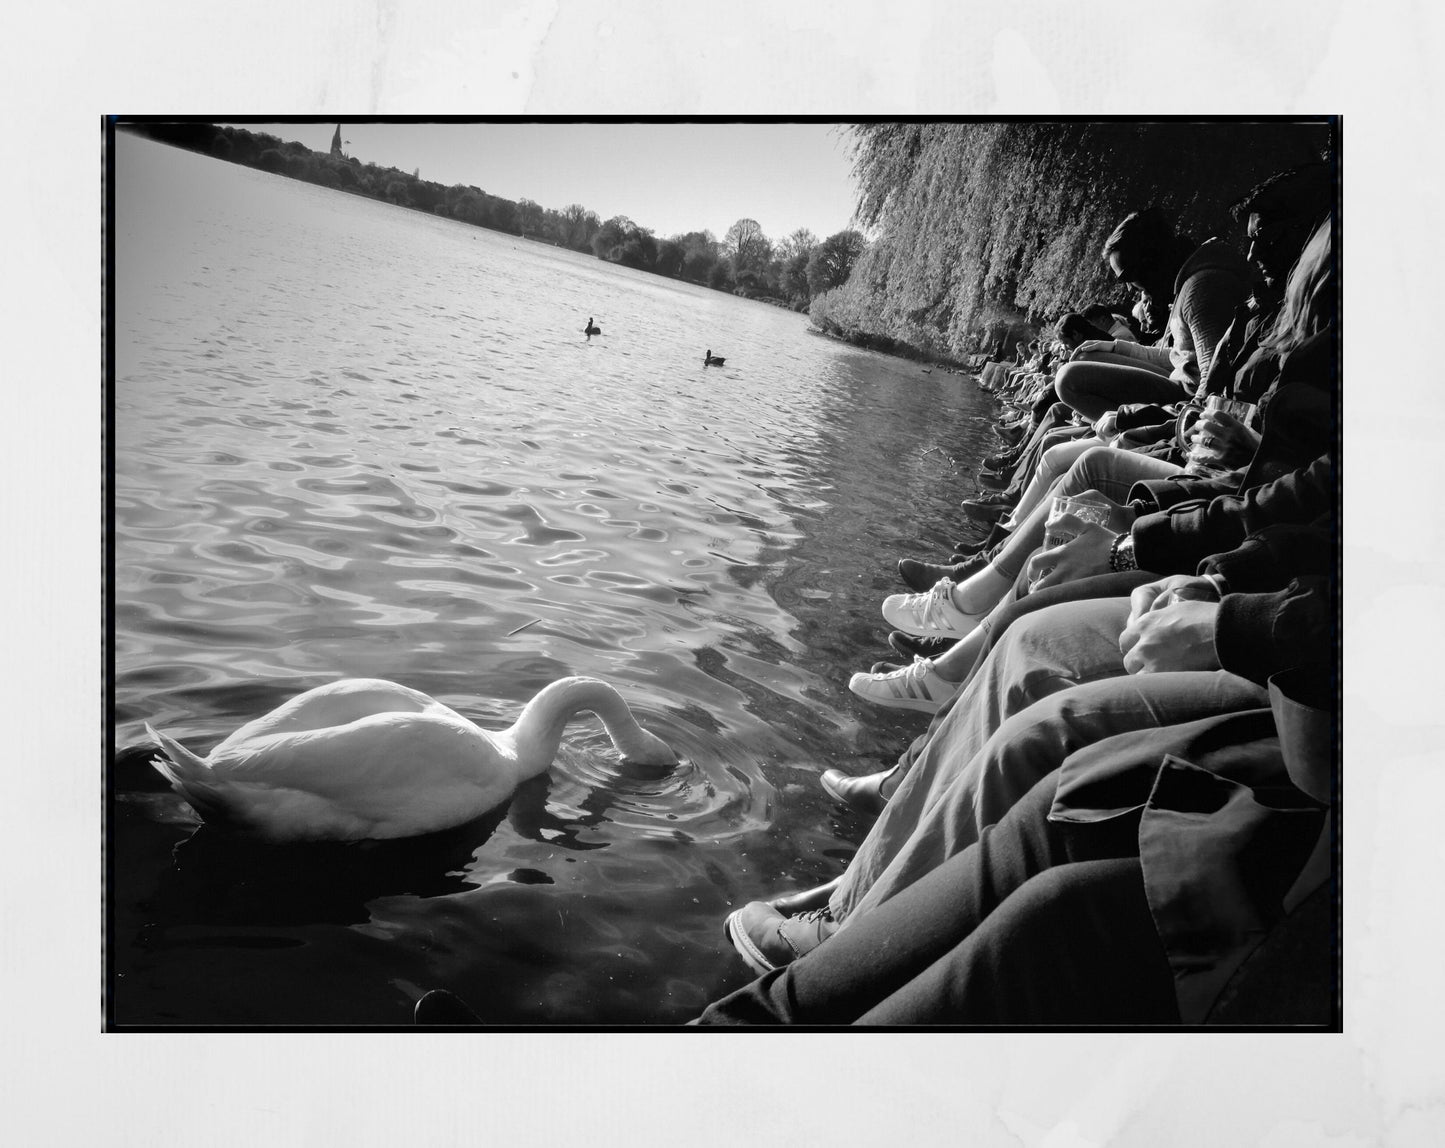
336,704
379,767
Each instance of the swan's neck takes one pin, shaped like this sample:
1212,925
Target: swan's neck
538,732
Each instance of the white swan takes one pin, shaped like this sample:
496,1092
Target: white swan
365,758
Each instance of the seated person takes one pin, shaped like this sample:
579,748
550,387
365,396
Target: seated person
1296,423
1127,886
1204,284
1068,676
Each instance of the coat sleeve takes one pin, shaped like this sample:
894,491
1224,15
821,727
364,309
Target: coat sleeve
1259,635
1178,540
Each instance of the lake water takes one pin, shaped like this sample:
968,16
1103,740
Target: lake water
352,440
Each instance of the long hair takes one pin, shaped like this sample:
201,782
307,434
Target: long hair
1310,299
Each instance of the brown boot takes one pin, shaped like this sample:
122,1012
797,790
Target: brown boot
867,794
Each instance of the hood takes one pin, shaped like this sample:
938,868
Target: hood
1212,255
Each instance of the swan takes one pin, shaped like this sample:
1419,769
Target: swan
365,758
591,328
711,360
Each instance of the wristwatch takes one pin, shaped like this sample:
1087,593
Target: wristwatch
1121,554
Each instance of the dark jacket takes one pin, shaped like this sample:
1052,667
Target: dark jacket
1177,540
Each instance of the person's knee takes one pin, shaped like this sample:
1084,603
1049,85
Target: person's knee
1068,382
1089,470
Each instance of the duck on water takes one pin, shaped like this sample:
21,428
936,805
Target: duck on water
711,360
364,759
591,328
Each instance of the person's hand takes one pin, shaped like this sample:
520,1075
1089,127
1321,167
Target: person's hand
1107,425
1178,637
1230,440
1082,556
1167,591
1092,347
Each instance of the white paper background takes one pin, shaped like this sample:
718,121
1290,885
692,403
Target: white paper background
1377,63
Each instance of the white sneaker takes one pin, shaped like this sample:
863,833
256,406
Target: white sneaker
915,687
930,614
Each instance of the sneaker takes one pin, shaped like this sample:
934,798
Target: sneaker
923,576
966,565
911,647
767,940
987,508
930,615
916,687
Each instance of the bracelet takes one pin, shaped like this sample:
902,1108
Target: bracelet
1121,554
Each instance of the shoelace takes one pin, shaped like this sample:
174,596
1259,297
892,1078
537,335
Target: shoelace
909,681
937,605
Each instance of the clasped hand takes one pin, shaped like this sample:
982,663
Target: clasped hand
1171,626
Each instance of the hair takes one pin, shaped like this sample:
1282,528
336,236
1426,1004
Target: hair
1310,299
1075,329
1304,192
1099,315
1144,240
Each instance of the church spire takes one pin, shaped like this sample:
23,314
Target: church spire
336,143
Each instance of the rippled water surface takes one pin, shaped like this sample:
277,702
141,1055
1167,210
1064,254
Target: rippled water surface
356,440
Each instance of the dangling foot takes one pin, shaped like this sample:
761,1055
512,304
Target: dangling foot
867,794
916,687
923,576
767,940
930,615
790,904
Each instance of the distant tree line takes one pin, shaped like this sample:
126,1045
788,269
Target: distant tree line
788,272
980,227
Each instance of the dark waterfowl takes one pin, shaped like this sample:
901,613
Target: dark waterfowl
591,328
711,360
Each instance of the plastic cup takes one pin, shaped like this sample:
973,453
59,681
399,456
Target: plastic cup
1204,456
1080,506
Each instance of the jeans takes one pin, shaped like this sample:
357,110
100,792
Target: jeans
1111,472
1035,923
1094,389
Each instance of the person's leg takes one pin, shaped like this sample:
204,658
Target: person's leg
856,969
1053,464
1112,472
1093,389
1041,653
1074,945
960,663
966,795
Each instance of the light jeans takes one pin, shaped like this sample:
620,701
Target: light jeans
1103,468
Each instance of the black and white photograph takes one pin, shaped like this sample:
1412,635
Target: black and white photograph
810,573
734,573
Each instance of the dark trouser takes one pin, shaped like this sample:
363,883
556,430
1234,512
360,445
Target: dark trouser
1093,389
1036,923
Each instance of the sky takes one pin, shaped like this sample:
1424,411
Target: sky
672,177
